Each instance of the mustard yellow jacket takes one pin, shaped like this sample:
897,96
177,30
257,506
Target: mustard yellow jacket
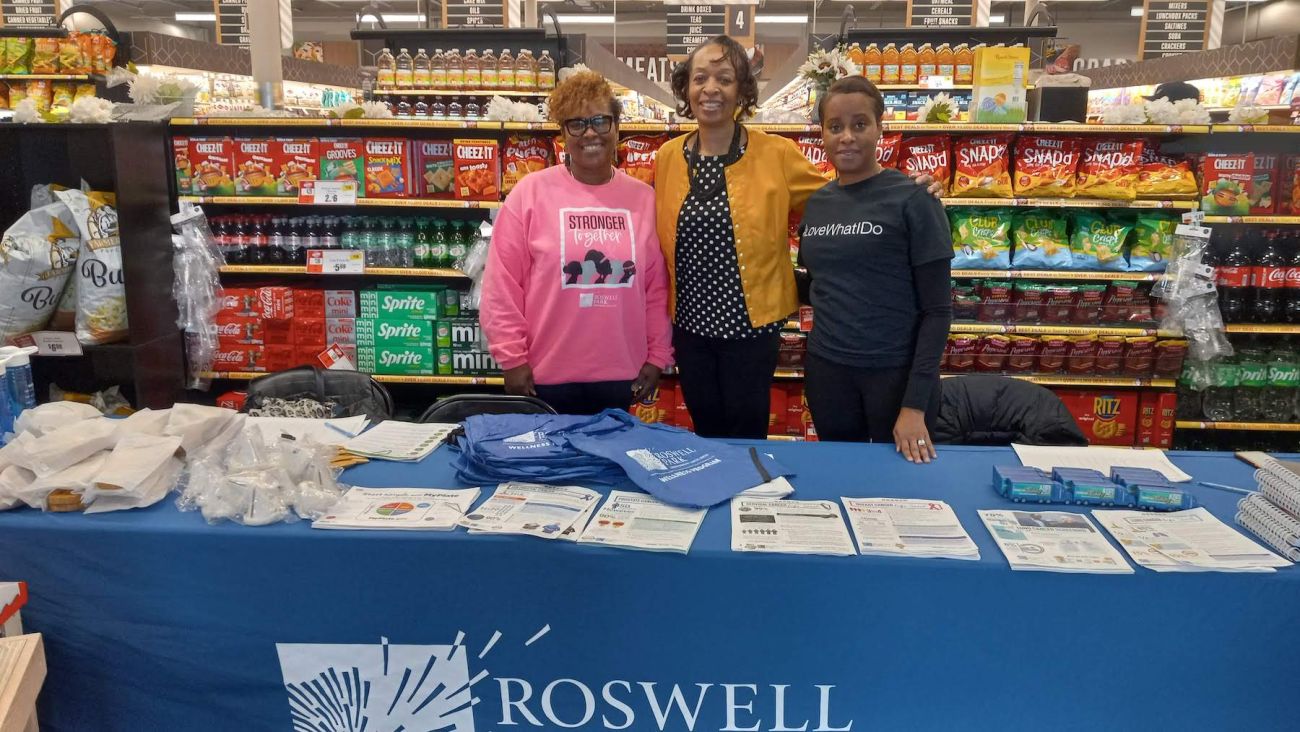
771,180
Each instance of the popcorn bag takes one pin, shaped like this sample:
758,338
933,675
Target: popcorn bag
37,257
101,289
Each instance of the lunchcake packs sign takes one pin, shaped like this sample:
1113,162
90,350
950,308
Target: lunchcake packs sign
455,687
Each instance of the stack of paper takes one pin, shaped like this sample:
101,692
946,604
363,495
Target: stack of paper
908,527
775,488
641,521
403,441
1101,459
546,511
321,431
409,509
1186,541
1054,541
788,527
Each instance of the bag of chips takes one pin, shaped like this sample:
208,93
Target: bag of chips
887,149
980,239
1164,175
1098,242
1109,169
1042,240
1153,241
811,147
45,56
927,155
636,156
70,55
17,93
1046,166
17,55
101,291
524,154
982,167
61,98
38,90
37,257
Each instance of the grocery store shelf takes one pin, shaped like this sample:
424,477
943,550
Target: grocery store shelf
1271,129
383,378
361,202
1114,129
387,123
539,126
949,127
1071,203
1250,426
45,77
280,269
785,438
459,93
1066,380
1252,220
422,123
788,374
918,87
1268,107
1053,274
1263,328
1066,330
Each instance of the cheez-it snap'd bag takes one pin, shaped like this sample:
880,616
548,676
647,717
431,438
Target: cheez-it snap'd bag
37,257
811,147
983,168
637,155
887,149
1109,169
928,155
1045,166
101,291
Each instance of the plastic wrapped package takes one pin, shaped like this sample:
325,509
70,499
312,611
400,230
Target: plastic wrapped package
66,447
12,480
48,417
196,287
76,478
1190,295
196,424
150,491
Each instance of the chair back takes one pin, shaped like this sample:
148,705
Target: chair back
456,408
353,392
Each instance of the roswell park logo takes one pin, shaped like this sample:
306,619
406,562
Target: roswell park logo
382,687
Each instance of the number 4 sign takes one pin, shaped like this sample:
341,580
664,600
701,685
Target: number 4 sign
740,24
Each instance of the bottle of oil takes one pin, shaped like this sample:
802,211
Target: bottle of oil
423,70
506,71
405,70
438,70
387,78
473,76
455,70
487,64
526,72
545,72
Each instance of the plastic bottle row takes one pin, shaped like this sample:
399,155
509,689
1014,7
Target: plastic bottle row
451,70
1259,383
388,241
909,65
1258,274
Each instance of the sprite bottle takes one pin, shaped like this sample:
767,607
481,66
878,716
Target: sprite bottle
439,246
1248,398
1278,404
422,253
1218,402
461,239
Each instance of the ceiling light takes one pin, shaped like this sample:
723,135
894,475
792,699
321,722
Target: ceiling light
1135,11
402,17
195,17
997,18
787,19
586,19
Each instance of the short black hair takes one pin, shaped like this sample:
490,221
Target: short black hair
853,85
733,53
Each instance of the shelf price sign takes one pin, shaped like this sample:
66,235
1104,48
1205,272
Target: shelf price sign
473,14
1173,28
328,192
940,13
232,22
336,261
29,13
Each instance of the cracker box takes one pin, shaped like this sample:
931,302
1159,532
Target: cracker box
1264,187
393,304
375,332
1106,418
180,163
658,407
473,363
396,359
341,331
387,168
776,411
1156,419
434,166
1227,181
477,170
255,168
296,160
211,161
342,160
1001,75
1288,186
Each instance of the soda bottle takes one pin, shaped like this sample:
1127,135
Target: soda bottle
505,71
329,237
275,234
221,234
1232,274
404,255
1291,304
473,76
458,245
421,250
311,233
1248,398
1217,401
387,68
545,72
488,69
438,70
1268,278
405,70
366,240
1283,377
422,76
439,247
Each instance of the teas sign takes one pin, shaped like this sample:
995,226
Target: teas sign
29,13
1172,28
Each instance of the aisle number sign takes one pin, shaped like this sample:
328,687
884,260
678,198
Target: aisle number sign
29,13
1173,28
328,192
232,22
336,261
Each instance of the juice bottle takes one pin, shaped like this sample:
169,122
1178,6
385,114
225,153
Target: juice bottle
423,71
487,64
944,61
889,62
546,72
927,61
455,70
473,77
438,70
506,71
856,55
907,66
871,63
526,71
405,70
387,70
964,62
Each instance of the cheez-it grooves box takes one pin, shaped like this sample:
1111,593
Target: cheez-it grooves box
343,160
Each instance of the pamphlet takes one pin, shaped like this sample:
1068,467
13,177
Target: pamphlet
1101,459
545,511
778,487
409,509
1053,541
402,441
321,431
908,527
788,527
1186,541
641,521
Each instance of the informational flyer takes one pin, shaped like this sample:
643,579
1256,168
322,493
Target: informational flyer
1186,541
908,527
407,509
401,441
641,521
545,511
1053,541
788,527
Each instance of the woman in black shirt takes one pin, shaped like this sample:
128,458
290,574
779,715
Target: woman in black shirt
877,249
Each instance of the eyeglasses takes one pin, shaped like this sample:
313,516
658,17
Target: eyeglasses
578,126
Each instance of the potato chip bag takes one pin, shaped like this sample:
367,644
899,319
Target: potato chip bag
523,154
45,56
1153,241
1109,169
38,90
1042,240
980,239
561,157
811,147
1164,175
4,95
17,93
1098,242
1046,166
887,149
83,91
17,55
636,156
982,167
70,54
62,96
928,155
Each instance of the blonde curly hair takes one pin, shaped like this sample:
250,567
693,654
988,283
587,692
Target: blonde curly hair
571,96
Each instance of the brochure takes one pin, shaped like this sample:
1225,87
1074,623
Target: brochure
641,521
909,527
402,441
1186,541
1053,541
409,509
788,527
545,511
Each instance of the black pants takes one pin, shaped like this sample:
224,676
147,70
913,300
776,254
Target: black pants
727,383
590,397
857,405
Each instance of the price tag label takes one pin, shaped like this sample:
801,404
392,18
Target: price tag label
937,82
51,343
336,261
328,192
336,358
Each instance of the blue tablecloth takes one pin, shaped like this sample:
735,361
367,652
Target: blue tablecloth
154,620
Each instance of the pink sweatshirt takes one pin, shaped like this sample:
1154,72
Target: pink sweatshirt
575,284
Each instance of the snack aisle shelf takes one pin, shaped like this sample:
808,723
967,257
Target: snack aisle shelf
1055,274
361,202
1242,426
458,93
280,269
1263,328
1274,220
1141,203
382,378
1064,330
1267,129
45,77
784,374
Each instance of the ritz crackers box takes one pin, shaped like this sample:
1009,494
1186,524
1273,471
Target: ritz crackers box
1106,418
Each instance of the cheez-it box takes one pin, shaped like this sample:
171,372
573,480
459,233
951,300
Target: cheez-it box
212,166
342,160
388,168
434,168
478,170
255,168
296,160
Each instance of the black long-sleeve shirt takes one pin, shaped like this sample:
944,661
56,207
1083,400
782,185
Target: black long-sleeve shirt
877,256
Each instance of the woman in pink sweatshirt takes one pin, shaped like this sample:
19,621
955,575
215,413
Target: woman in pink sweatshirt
575,296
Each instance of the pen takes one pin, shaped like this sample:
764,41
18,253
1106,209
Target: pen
1222,487
340,430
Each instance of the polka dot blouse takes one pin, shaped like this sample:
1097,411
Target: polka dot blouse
710,297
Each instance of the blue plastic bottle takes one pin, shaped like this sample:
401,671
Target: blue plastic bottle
6,412
22,394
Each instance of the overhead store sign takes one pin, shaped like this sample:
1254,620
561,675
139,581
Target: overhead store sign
232,22
29,13
690,24
940,13
1173,28
473,14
